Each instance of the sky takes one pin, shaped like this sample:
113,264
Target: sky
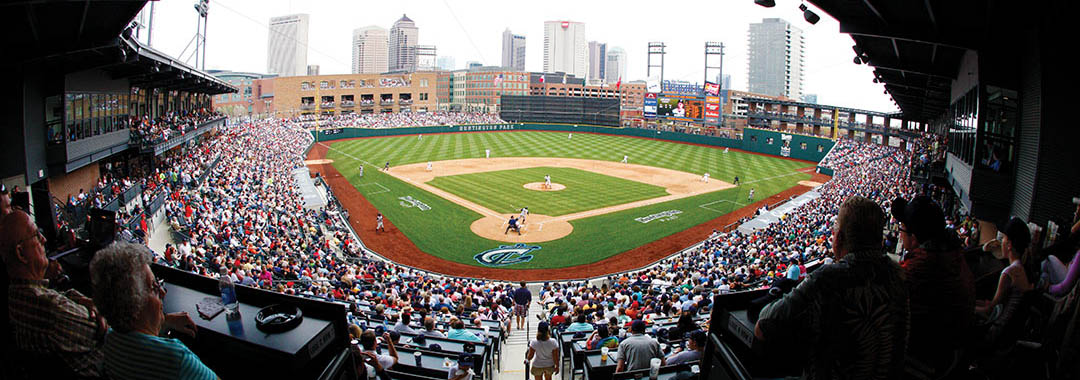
471,30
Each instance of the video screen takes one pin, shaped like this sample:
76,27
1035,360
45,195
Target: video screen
679,107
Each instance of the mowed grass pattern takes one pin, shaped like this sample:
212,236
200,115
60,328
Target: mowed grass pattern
503,191
443,230
683,157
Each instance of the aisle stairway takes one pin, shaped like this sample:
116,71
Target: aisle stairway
513,352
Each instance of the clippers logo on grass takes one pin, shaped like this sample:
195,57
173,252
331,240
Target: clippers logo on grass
660,216
409,201
506,255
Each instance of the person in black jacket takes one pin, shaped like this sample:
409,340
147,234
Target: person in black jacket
847,320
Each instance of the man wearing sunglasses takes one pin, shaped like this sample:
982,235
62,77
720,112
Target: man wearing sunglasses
43,321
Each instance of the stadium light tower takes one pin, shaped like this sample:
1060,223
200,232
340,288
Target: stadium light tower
201,8
656,48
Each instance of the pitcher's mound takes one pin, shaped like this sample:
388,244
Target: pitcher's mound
539,186
810,183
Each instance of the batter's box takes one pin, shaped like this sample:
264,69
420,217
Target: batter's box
706,205
382,189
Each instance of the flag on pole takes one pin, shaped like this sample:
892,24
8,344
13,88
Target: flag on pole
541,78
564,79
618,84
498,80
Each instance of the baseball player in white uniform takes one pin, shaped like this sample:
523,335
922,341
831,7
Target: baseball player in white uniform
378,223
487,153
570,136
524,213
547,181
751,197
361,171
429,166
705,178
625,158
725,150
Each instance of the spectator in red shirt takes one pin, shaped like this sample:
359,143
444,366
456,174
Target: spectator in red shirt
940,285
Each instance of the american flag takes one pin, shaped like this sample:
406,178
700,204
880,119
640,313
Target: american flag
498,80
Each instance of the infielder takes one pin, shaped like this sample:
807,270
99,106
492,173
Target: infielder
386,167
547,181
736,180
751,197
524,213
705,178
429,166
625,158
378,223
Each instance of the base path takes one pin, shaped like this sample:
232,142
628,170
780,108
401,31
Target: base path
395,246
542,228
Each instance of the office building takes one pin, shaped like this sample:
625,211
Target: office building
513,50
597,60
312,69
776,58
287,46
447,63
615,67
402,51
370,46
565,48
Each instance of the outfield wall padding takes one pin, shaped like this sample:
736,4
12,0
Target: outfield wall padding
754,140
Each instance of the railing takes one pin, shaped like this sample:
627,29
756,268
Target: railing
405,102
307,106
328,105
386,102
347,104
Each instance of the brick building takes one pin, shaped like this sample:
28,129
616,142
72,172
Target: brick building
355,93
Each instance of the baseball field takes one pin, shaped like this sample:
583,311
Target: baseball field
450,195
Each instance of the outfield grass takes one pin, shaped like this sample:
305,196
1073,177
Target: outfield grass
444,231
502,191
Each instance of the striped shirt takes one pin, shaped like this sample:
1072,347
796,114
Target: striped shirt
134,355
45,321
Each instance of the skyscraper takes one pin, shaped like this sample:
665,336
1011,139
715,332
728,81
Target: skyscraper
403,37
615,68
565,48
287,45
597,59
776,58
369,50
513,50
447,63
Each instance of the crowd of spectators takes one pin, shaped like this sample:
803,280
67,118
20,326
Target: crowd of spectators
146,130
394,120
848,153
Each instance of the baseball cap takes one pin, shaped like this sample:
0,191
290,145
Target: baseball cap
921,216
1018,234
465,359
698,336
637,326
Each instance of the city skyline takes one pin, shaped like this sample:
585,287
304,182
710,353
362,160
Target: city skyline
462,30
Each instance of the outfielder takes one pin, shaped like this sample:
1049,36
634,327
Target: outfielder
524,213
361,171
420,136
751,197
625,158
725,150
378,223
487,153
547,181
570,136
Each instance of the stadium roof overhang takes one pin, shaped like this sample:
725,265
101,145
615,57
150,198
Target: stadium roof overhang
66,36
915,47
39,29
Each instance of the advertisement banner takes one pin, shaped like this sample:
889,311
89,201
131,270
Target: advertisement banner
712,110
712,89
679,107
649,109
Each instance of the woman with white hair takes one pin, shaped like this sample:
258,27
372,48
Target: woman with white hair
131,299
